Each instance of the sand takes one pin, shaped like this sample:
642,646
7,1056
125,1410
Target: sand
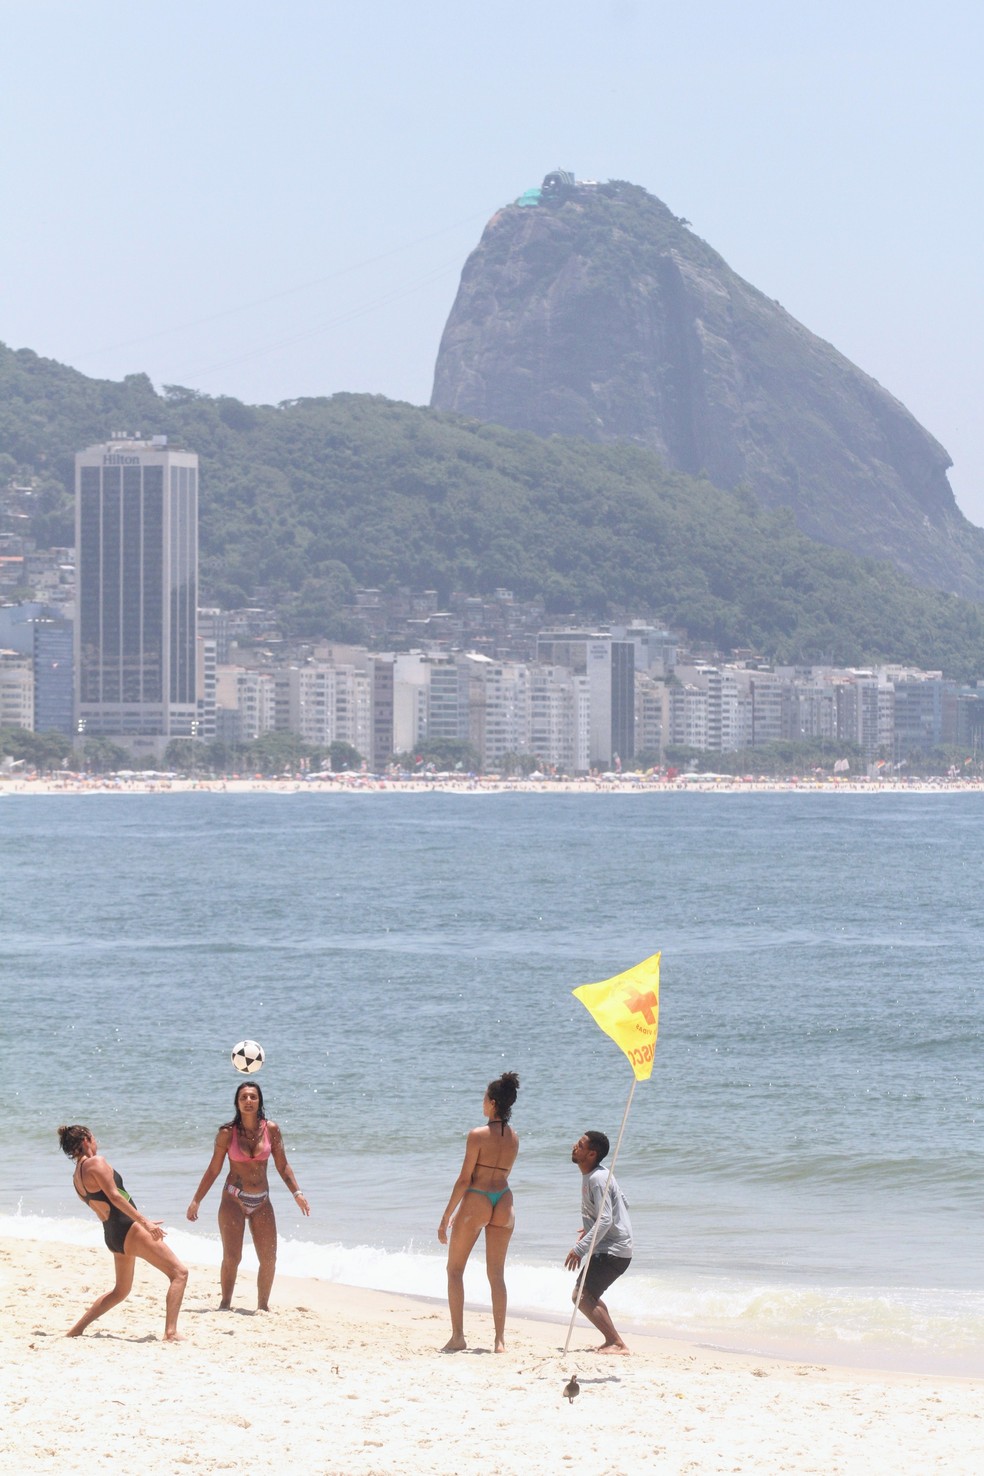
338,1380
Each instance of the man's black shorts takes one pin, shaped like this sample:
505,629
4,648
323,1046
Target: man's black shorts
602,1271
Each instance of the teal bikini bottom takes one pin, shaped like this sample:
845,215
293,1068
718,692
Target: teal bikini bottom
492,1195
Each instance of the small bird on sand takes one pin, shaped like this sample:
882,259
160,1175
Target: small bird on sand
572,1389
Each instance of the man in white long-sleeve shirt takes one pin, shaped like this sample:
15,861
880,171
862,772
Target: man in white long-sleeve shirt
613,1247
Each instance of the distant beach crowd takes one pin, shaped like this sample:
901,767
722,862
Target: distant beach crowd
348,783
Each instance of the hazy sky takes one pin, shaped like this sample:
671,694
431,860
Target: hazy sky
276,199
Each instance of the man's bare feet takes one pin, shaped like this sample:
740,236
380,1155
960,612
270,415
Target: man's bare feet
454,1345
174,1337
612,1348
500,1345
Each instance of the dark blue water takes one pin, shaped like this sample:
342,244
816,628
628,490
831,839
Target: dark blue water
806,1161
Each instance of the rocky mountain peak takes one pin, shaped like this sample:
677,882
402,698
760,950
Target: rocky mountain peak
590,309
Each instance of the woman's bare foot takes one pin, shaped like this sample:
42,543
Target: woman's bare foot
454,1345
174,1337
500,1345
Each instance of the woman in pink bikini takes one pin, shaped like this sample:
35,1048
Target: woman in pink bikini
250,1141
483,1201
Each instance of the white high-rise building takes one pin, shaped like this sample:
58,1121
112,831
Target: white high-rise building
328,704
410,690
499,708
609,666
560,718
16,691
687,716
246,703
136,535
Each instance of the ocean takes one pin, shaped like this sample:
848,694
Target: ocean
804,1168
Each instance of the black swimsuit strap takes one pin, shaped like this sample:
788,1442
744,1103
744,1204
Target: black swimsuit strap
97,1193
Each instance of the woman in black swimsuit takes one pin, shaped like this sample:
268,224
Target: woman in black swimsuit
126,1231
482,1200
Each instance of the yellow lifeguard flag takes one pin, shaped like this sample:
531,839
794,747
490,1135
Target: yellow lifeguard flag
627,1008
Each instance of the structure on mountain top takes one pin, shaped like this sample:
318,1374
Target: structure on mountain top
559,185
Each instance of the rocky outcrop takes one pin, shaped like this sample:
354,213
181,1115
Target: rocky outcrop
597,313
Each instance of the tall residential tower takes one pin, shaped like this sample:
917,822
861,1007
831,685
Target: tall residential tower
609,667
136,537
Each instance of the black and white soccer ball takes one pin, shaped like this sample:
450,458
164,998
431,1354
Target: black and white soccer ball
247,1056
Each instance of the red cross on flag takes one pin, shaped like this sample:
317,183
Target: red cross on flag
627,1008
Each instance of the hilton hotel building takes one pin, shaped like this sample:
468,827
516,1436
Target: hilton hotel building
136,539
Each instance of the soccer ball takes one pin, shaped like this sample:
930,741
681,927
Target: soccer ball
247,1057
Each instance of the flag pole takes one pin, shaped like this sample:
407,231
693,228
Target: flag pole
582,1273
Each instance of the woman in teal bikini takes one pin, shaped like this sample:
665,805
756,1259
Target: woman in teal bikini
249,1141
482,1200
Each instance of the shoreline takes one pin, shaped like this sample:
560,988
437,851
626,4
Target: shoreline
338,1379
948,1345
371,784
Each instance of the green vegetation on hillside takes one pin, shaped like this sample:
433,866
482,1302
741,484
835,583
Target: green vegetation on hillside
307,500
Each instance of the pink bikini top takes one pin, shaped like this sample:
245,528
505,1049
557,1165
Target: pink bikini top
263,1149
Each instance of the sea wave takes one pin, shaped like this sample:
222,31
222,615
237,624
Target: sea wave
960,1174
